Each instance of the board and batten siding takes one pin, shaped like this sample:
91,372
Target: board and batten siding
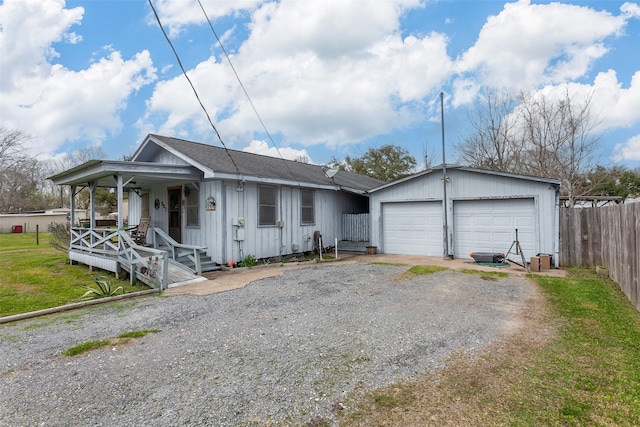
465,185
273,241
219,231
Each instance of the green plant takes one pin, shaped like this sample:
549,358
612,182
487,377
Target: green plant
248,261
104,289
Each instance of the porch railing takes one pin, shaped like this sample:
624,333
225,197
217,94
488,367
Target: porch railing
178,250
94,240
150,265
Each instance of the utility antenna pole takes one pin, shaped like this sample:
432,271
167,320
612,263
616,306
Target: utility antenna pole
444,184
426,153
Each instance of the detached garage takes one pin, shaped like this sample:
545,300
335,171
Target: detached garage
482,211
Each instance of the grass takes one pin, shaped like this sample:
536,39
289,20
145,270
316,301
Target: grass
86,346
121,339
575,361
485,274
418,270
35,277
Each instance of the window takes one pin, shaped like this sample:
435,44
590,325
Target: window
307,203
192,196
267,198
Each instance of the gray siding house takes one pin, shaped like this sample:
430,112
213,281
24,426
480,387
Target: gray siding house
201,198
481,212
244,203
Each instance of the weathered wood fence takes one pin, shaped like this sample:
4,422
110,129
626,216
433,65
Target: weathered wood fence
355,227
606,236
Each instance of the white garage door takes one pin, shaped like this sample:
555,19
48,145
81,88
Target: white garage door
412,228
489,226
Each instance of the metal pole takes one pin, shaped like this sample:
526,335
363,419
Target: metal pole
444,183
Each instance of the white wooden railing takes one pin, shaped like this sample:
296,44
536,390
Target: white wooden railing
94,240
178,250
150,265
147,264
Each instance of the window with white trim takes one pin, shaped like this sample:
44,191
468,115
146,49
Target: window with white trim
267,203
192,197
307,206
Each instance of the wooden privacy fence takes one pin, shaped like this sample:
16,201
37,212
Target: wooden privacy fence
355,227
607,236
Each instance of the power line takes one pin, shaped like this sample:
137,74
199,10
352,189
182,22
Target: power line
245,91
193,87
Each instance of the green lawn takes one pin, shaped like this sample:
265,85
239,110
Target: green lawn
34,277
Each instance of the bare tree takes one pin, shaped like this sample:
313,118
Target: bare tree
69,161
20,174
559,139
533,135
494,143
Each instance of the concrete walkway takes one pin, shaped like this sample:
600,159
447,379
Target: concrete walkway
226,280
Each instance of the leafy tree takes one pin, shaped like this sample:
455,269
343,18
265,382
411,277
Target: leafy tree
615,181
387,163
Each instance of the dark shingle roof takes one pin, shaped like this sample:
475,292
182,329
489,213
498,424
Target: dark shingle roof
250,164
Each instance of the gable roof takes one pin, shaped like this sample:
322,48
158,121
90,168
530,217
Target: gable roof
467,169
232,164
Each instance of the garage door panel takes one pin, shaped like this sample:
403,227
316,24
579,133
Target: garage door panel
412,228
489,226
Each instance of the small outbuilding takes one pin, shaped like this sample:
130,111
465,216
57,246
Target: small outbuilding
461,210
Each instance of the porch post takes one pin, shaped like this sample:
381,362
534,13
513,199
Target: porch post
72,206
92,204
120,200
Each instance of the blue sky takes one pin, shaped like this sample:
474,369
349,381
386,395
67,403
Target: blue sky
328,78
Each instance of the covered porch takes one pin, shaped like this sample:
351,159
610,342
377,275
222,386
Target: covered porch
158,260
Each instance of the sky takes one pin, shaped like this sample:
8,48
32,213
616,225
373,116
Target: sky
319,79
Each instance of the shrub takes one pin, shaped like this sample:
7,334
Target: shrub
248,261
60,237
103,290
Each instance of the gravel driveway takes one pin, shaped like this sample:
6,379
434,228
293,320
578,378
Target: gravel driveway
281,350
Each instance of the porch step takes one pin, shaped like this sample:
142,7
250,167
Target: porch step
355,247
205,262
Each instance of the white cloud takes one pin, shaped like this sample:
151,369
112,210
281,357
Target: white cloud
261,147
177,14
612,105
335,76
29,28
531,44
48,101
619,106
631,10
630,150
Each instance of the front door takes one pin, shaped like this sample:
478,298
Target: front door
175,214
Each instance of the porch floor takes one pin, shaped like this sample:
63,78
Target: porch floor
176,274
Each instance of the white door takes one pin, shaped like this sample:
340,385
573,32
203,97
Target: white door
489,226
412,228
